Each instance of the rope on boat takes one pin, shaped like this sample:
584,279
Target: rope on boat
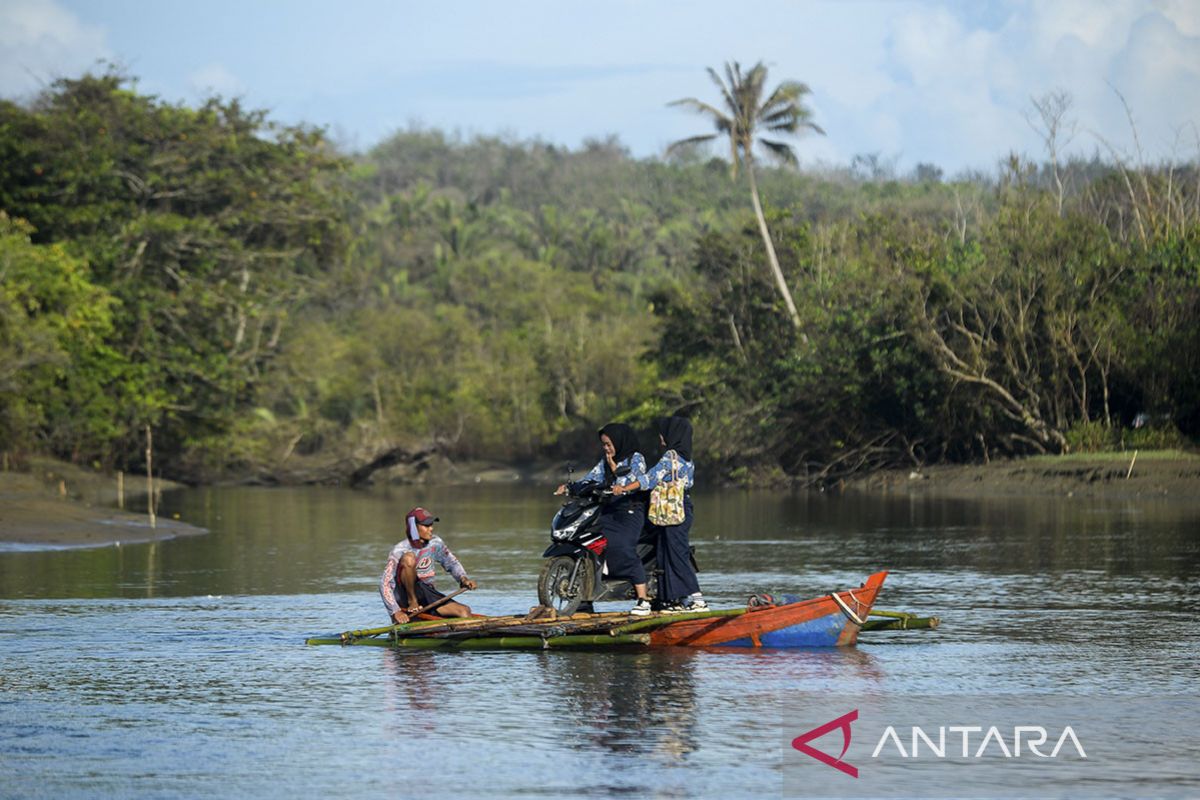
846,609
858,604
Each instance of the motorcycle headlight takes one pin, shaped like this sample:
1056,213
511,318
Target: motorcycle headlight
567,532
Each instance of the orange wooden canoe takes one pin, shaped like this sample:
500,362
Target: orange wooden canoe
829,621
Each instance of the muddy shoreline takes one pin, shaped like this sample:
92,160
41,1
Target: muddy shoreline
1172,476
54,505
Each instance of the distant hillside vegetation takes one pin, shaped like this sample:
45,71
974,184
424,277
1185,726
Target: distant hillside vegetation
261,300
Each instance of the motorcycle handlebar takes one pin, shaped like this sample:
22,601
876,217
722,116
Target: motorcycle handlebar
591,491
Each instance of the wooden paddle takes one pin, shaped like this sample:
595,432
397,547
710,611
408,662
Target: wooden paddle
412,618
427,608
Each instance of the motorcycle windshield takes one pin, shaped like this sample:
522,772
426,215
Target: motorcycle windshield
568,514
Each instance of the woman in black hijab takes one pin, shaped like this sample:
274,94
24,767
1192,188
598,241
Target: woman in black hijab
622,517
624,445
678,588
675,433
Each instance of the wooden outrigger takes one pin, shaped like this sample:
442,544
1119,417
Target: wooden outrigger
833,620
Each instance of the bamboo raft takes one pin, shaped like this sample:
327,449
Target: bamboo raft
832,620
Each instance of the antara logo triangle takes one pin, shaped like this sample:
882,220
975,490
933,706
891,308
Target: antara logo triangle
843,722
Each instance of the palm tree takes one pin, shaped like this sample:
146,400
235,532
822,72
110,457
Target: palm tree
745,113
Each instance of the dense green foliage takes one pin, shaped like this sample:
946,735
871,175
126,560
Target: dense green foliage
263,301
203,228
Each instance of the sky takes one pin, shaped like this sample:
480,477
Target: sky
935,81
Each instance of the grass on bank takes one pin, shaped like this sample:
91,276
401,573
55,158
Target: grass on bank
1116,456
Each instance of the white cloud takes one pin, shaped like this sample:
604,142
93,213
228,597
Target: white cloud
1158,71
41,41
962,86
1184,13
1103,29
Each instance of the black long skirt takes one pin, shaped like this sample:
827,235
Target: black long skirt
678,578
622,526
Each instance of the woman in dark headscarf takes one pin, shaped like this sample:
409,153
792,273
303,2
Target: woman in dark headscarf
678,588
622,517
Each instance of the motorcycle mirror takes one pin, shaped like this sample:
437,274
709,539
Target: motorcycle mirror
570,467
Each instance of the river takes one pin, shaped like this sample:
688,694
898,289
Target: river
178,669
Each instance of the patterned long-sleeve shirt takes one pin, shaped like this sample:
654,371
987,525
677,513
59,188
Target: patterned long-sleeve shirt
636,474
426,554
661,472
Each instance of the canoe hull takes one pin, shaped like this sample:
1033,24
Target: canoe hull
819,622
828,631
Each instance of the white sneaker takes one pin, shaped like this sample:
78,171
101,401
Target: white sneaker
642,609
698,605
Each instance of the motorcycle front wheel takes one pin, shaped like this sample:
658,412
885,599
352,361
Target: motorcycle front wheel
558,591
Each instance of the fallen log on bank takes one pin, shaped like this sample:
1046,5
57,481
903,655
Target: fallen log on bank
397,455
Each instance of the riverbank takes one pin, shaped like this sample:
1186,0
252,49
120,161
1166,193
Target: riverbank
58,505
1161,474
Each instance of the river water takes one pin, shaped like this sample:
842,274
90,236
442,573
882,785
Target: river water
178,669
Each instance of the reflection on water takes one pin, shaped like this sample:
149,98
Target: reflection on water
286,541
176,669
637,704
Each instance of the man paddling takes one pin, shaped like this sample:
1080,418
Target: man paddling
407,582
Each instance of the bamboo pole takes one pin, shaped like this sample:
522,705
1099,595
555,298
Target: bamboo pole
150,476
1131,462
667,619
525,629
472,627
902,624
613,623
120,489
420,626
519,626
493,642
598,641
424,627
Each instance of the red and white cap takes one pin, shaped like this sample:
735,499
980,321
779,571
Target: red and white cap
418,516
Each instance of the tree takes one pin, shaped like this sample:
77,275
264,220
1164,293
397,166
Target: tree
1056,130
61,384
207,226
745,114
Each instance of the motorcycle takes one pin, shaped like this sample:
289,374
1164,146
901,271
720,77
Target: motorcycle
575,574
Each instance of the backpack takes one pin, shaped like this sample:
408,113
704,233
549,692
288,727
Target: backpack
666,499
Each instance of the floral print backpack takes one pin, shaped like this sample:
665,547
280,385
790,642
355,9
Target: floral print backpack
666,499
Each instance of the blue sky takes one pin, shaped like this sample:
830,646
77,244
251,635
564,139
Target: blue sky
942,82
